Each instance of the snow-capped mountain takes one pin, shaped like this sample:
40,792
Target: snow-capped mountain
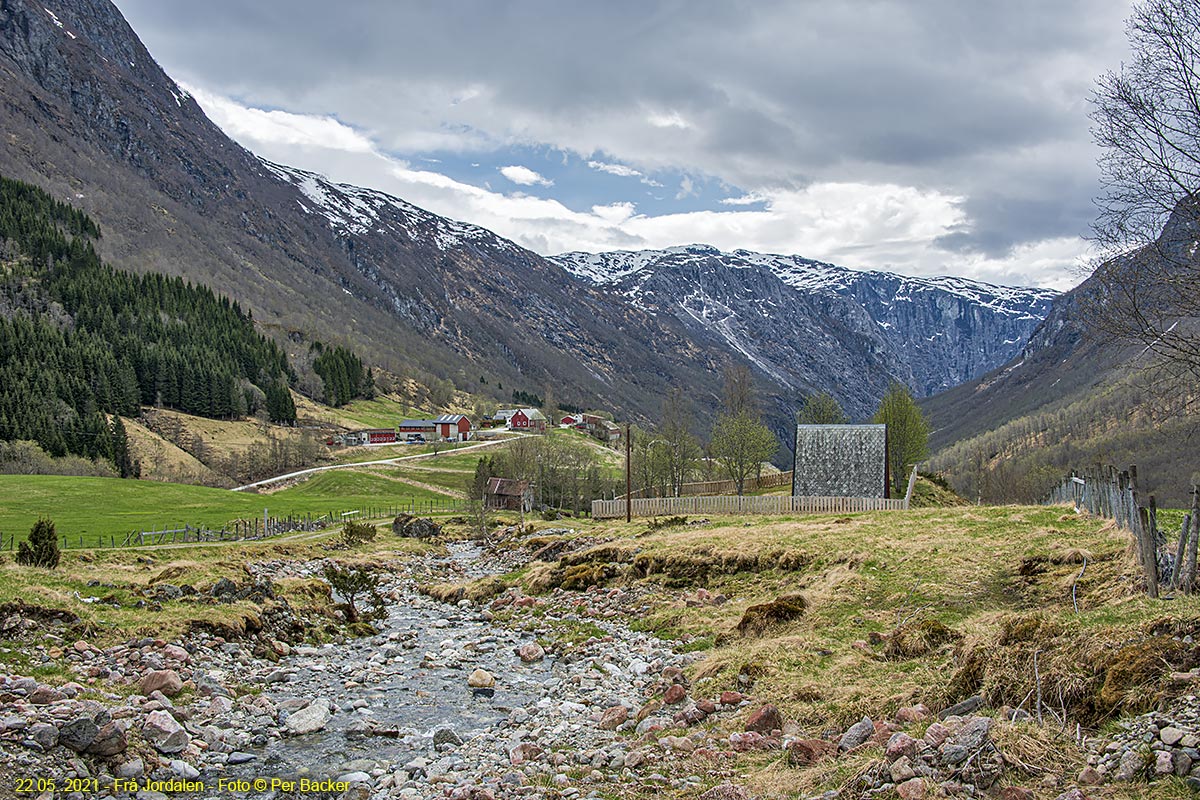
94,120
932,332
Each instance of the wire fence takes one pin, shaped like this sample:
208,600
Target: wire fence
237,530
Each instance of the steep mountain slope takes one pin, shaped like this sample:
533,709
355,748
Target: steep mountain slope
800,320
1071,399
91,117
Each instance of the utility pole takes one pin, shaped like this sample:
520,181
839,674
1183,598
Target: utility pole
628,476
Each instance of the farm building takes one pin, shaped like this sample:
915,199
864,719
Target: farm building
528,419
454,427
426,427
600,428
370,436
509,495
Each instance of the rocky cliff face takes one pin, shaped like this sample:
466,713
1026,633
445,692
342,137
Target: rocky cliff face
805,322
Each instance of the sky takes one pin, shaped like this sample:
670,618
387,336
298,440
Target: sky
929,137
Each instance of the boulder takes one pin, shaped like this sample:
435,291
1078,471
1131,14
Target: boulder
164,733
310,719
912,789
481,679
411,527
613,718
44,734
166,681
857,734
765,720
674,694
531,652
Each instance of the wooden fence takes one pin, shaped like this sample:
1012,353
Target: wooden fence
723,487
732,504
242,529
1113,494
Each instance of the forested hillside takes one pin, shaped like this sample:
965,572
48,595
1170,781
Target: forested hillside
80,341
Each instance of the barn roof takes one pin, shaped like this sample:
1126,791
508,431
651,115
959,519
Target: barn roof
507,487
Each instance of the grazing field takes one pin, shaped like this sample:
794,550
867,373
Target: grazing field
102,508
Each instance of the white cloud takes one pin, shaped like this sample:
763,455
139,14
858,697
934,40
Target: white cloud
281,127
885,226
619,170
524,176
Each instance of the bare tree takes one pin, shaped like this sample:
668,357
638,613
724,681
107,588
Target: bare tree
1146,117
681,445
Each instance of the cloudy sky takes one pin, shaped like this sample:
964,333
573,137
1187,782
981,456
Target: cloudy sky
923,137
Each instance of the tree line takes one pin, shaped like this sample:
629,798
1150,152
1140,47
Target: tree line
82,343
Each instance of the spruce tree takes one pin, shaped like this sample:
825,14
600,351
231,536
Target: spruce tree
41,548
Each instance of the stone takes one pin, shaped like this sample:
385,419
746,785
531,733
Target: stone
531,652
1170,736
803,752
1088,776
936,734
164,733
44,735
954,753
1017,793
166,681
310,719
1183,763
707,706
901,744
910,714
1164,764
857,734
238,757
902,770
674,694
974,733
968,706
446,736
184,770
481,679
912,789
133,768
525,751
45,695
1130,767
78,733
765,720
109,741
731,698
613,718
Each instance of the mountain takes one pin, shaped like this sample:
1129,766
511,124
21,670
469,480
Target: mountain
90,117
1073,397
801,321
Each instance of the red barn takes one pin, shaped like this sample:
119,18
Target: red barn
528,419
454,427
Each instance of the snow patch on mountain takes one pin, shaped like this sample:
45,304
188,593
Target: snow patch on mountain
806,275
354,210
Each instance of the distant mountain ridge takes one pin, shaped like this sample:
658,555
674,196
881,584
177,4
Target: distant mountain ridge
933,333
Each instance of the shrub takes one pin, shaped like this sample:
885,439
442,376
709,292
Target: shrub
41,548
352,583
356,533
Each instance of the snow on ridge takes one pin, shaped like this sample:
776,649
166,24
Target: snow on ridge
805,275
356,210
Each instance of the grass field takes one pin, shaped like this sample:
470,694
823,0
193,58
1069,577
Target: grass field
95,508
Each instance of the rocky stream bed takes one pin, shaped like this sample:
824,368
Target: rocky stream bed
512,697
